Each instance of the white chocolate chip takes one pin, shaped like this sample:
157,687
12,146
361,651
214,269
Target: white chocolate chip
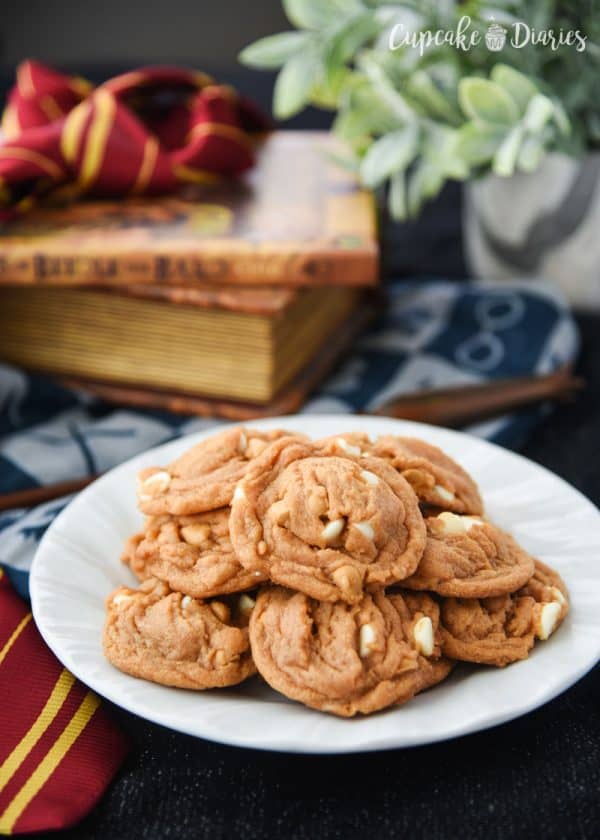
257,574
369,477
121,597
558,596
246,603
333,529
547,620
348,448
443,493
366,639
452,523
365,528
243,441
238,493
348,580
186,601
195,534
261,548
157,482
423,635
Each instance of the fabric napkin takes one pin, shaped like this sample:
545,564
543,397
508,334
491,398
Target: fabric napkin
58,749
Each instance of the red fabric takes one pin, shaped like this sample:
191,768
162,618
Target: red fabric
58,747
146,132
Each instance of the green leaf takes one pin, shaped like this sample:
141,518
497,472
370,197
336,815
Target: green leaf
487,102
397,198
477,143
362,113
519,86
274,51
539,111
316,14
326,91
363,120
441,150
561,119
505,159
350,37
389,154
350,125
367,98
384,88
294,84
530,154
421,88
425,182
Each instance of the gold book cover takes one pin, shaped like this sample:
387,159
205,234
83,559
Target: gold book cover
200,341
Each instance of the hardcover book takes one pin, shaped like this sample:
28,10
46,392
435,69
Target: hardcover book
296,219
224,343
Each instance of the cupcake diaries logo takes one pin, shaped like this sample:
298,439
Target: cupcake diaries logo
517,34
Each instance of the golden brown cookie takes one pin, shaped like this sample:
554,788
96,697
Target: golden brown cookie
467,557
347,659
435,477
130,557
351,444
500,630
204,477
193,554
172,639
325,525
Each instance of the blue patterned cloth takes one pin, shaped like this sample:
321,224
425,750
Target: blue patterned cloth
432,334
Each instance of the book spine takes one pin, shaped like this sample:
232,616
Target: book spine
325,268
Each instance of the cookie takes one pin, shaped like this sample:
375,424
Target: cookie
172,639
130,557
500,630
347,659
467,557
351,444
324,525
435,477
205,476
193,554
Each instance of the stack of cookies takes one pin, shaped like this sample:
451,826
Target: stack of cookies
350,573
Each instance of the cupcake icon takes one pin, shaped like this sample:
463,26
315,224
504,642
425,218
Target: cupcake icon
495,37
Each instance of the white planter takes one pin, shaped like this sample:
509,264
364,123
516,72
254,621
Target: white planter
544,225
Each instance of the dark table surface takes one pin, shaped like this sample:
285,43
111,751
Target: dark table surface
538,776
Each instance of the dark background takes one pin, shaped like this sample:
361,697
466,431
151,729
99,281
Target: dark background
98,38
201,33
535,777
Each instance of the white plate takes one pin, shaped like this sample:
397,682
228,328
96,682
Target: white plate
77,565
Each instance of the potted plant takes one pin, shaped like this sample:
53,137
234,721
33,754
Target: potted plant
502,98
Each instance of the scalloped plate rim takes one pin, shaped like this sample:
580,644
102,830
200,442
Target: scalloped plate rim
382,735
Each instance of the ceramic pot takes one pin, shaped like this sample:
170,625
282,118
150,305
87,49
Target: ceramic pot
542,225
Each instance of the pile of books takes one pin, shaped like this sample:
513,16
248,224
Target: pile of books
232,299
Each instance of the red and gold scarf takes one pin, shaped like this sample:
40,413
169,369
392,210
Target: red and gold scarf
147,132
